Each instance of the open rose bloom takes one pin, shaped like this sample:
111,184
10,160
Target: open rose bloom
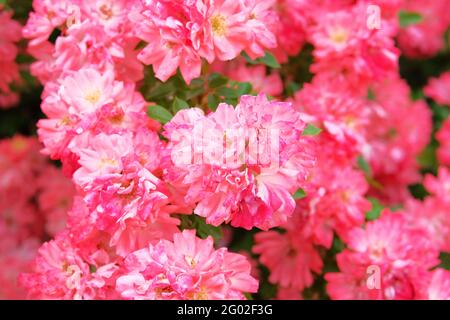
225,149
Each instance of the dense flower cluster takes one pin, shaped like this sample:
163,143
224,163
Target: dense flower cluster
181,33
10,34
187,268
438,89
239,182
385,245
27,215
425,39
178,132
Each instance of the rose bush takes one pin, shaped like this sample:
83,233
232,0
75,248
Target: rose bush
225,149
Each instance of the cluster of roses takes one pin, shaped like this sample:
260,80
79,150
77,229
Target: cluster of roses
121,239
424,39
10,34
438,89
135,178
28,216
404,248
365,111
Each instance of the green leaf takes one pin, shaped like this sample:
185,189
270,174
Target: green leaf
338,245
141,45
418,191
161,90
54,35
159,113
267,290
417,95
192,93
213,101
439,113
427,158
311,130
205,230
299,194
227,92
445,260
92,268
268,60
248,59
370,95
364,166
179,104
202,228
374,183
243,88
197,82
217,80
292,88
231,101
248,296
407,18
375,211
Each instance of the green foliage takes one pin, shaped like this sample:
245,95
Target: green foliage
338,245
418,72
163,93
205,92
311,130
209,90
418,191
21,8
213,101
407,19
242,240
297,70
179,104
233,91
268,60
248,296
203,229
159,113
291,88
92,268
299,194
445,260
370,95
364,166
427,158
266,290
217,80
375,211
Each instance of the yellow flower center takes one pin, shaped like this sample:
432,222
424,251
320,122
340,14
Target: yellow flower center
345,196
199,295
190,261
65,121
93,96
218,25
339,35
350,121
107,162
